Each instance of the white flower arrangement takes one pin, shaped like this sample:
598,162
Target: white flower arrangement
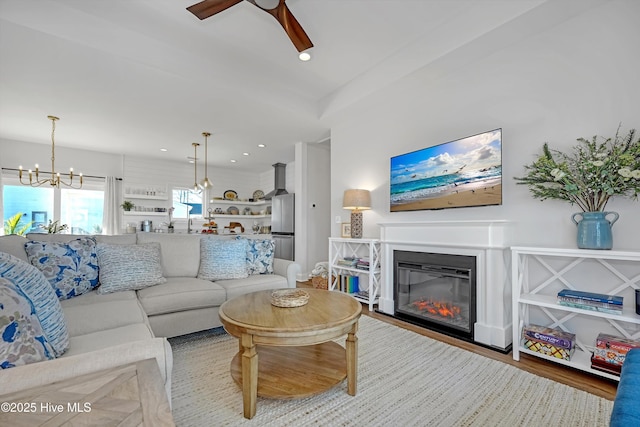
597,171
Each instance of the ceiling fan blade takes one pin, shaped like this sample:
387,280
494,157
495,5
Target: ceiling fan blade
292,27
290,24
208,8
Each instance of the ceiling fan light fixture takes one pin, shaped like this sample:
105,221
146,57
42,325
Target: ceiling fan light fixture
267,4
304,56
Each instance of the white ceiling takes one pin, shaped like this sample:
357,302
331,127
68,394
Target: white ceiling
134,76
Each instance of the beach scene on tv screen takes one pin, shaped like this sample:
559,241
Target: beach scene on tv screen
461,173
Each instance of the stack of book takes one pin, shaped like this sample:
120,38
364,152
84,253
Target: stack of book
349,284
610,353
348,262
363,264
611,304
549,341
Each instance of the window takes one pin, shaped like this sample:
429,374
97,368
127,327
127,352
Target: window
186,203
35,205
80,209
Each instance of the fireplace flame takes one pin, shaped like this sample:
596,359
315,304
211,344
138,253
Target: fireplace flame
437,308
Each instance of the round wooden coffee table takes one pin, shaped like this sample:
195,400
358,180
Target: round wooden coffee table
296,355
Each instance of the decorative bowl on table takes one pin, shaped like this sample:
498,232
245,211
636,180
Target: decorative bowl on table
289,298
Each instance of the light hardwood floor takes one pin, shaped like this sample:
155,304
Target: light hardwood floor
581,380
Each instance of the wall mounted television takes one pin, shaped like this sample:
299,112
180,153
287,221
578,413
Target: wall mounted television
462,173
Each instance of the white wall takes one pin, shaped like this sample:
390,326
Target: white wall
575,79
313,205
16,153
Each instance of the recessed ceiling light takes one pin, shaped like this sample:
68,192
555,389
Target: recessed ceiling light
233,160
304,56
261,146
163,150
245,154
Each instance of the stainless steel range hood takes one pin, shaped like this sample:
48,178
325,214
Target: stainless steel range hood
280,170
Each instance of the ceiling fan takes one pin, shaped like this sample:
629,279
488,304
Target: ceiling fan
276,8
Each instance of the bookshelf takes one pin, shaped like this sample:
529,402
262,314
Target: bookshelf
535,297
368,278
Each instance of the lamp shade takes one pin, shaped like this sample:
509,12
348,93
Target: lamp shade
356,199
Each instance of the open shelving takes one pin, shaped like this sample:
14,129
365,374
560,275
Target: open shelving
613,272
369,280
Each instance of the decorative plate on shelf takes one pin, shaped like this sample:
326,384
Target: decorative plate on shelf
232,210
257,195
230,195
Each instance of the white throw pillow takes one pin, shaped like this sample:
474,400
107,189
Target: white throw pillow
223,259
129,267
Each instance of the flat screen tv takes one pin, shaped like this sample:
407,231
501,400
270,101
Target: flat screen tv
461,173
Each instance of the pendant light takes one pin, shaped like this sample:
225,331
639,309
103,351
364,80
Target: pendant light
196,188
205,183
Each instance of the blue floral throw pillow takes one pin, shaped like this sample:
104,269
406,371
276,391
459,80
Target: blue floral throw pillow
71,268
22,340
259,255
43,298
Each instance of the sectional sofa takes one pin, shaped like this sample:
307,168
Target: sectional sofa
130,321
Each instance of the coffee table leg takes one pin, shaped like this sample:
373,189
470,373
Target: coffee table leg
249,376
352,361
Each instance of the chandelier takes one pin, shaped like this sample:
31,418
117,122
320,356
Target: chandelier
55,179
205,183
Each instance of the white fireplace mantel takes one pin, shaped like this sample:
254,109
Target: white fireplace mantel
487,240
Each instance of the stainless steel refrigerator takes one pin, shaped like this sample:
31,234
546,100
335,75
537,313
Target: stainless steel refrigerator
283,225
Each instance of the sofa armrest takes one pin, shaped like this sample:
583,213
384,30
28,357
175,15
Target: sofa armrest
626,410
288,269
49,371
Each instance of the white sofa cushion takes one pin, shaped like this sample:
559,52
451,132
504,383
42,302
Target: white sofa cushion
42,297
14,245
107,338
180,253
120,239
93,317
129,267
94,297
22,340
254,283
179,294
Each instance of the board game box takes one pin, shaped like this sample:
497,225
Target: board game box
554,337
612,349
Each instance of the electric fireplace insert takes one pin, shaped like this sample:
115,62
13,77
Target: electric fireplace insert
437,291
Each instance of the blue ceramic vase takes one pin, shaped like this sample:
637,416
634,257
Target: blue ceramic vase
594,229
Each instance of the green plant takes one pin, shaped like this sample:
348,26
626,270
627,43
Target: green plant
54,228
127,205
597,170
12,225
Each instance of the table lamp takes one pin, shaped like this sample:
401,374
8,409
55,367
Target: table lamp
357,201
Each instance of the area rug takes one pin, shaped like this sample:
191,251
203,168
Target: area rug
404,379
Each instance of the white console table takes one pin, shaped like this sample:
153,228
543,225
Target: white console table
535,295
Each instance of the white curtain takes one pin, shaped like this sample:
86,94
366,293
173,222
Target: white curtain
111,211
